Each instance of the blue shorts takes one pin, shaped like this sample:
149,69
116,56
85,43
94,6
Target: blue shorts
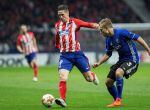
69,59
30,57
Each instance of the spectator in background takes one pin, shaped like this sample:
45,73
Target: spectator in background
39,13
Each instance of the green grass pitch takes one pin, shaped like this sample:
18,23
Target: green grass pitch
19,92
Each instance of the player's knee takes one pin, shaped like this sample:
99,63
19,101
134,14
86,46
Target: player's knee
33,64
63,75
88,76
119,72
109,83
88,79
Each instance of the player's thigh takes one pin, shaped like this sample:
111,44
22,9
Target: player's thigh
109,82
82,63
31,59
112,72
65,66
129,68
65,63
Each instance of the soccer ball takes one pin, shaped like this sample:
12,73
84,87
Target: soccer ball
48,100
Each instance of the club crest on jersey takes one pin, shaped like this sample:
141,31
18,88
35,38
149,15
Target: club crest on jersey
62,33
117,47
117,40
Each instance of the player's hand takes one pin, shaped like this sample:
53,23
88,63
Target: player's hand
23,51
96,26
95,65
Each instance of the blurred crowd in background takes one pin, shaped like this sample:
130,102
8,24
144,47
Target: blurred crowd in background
147,4
41,15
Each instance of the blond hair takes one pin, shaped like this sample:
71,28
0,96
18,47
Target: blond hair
105,23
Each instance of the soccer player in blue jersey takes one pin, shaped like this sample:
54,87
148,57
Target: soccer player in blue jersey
120,40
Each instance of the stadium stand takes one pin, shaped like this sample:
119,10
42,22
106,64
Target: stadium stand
41,16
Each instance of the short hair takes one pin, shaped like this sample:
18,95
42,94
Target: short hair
106,23
63,7
23,25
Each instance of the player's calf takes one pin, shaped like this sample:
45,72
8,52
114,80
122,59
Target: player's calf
95,79
91,77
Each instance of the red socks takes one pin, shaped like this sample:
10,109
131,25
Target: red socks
62,89
35,68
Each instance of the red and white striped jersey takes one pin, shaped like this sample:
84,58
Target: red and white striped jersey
27,42
66,39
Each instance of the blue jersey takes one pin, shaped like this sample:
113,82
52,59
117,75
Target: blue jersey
122,42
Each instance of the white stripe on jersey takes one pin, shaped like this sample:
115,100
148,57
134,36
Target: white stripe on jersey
67,37
24,40
61,43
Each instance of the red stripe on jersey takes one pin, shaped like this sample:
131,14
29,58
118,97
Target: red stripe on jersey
57,38
70,38
77,46
24,45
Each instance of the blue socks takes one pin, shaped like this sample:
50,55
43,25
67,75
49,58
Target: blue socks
116,92
113,91
119,85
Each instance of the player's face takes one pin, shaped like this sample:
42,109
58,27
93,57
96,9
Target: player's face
63,15
106,31
24,28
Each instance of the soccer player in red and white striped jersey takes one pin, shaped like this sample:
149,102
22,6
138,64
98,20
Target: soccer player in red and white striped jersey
71,54
26,44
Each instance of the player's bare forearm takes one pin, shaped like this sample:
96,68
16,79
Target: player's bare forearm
35,44
101,61
20,49
144,44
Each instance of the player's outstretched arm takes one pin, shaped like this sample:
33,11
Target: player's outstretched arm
144,44
81,23
101,61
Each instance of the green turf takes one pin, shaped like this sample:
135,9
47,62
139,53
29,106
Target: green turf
19,92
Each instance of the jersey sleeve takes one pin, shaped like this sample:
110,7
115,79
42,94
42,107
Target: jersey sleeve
129,35
57,45
81,23
32,34
108,48
19,40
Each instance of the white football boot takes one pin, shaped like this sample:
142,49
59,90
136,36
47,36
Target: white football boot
35,79
96,80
